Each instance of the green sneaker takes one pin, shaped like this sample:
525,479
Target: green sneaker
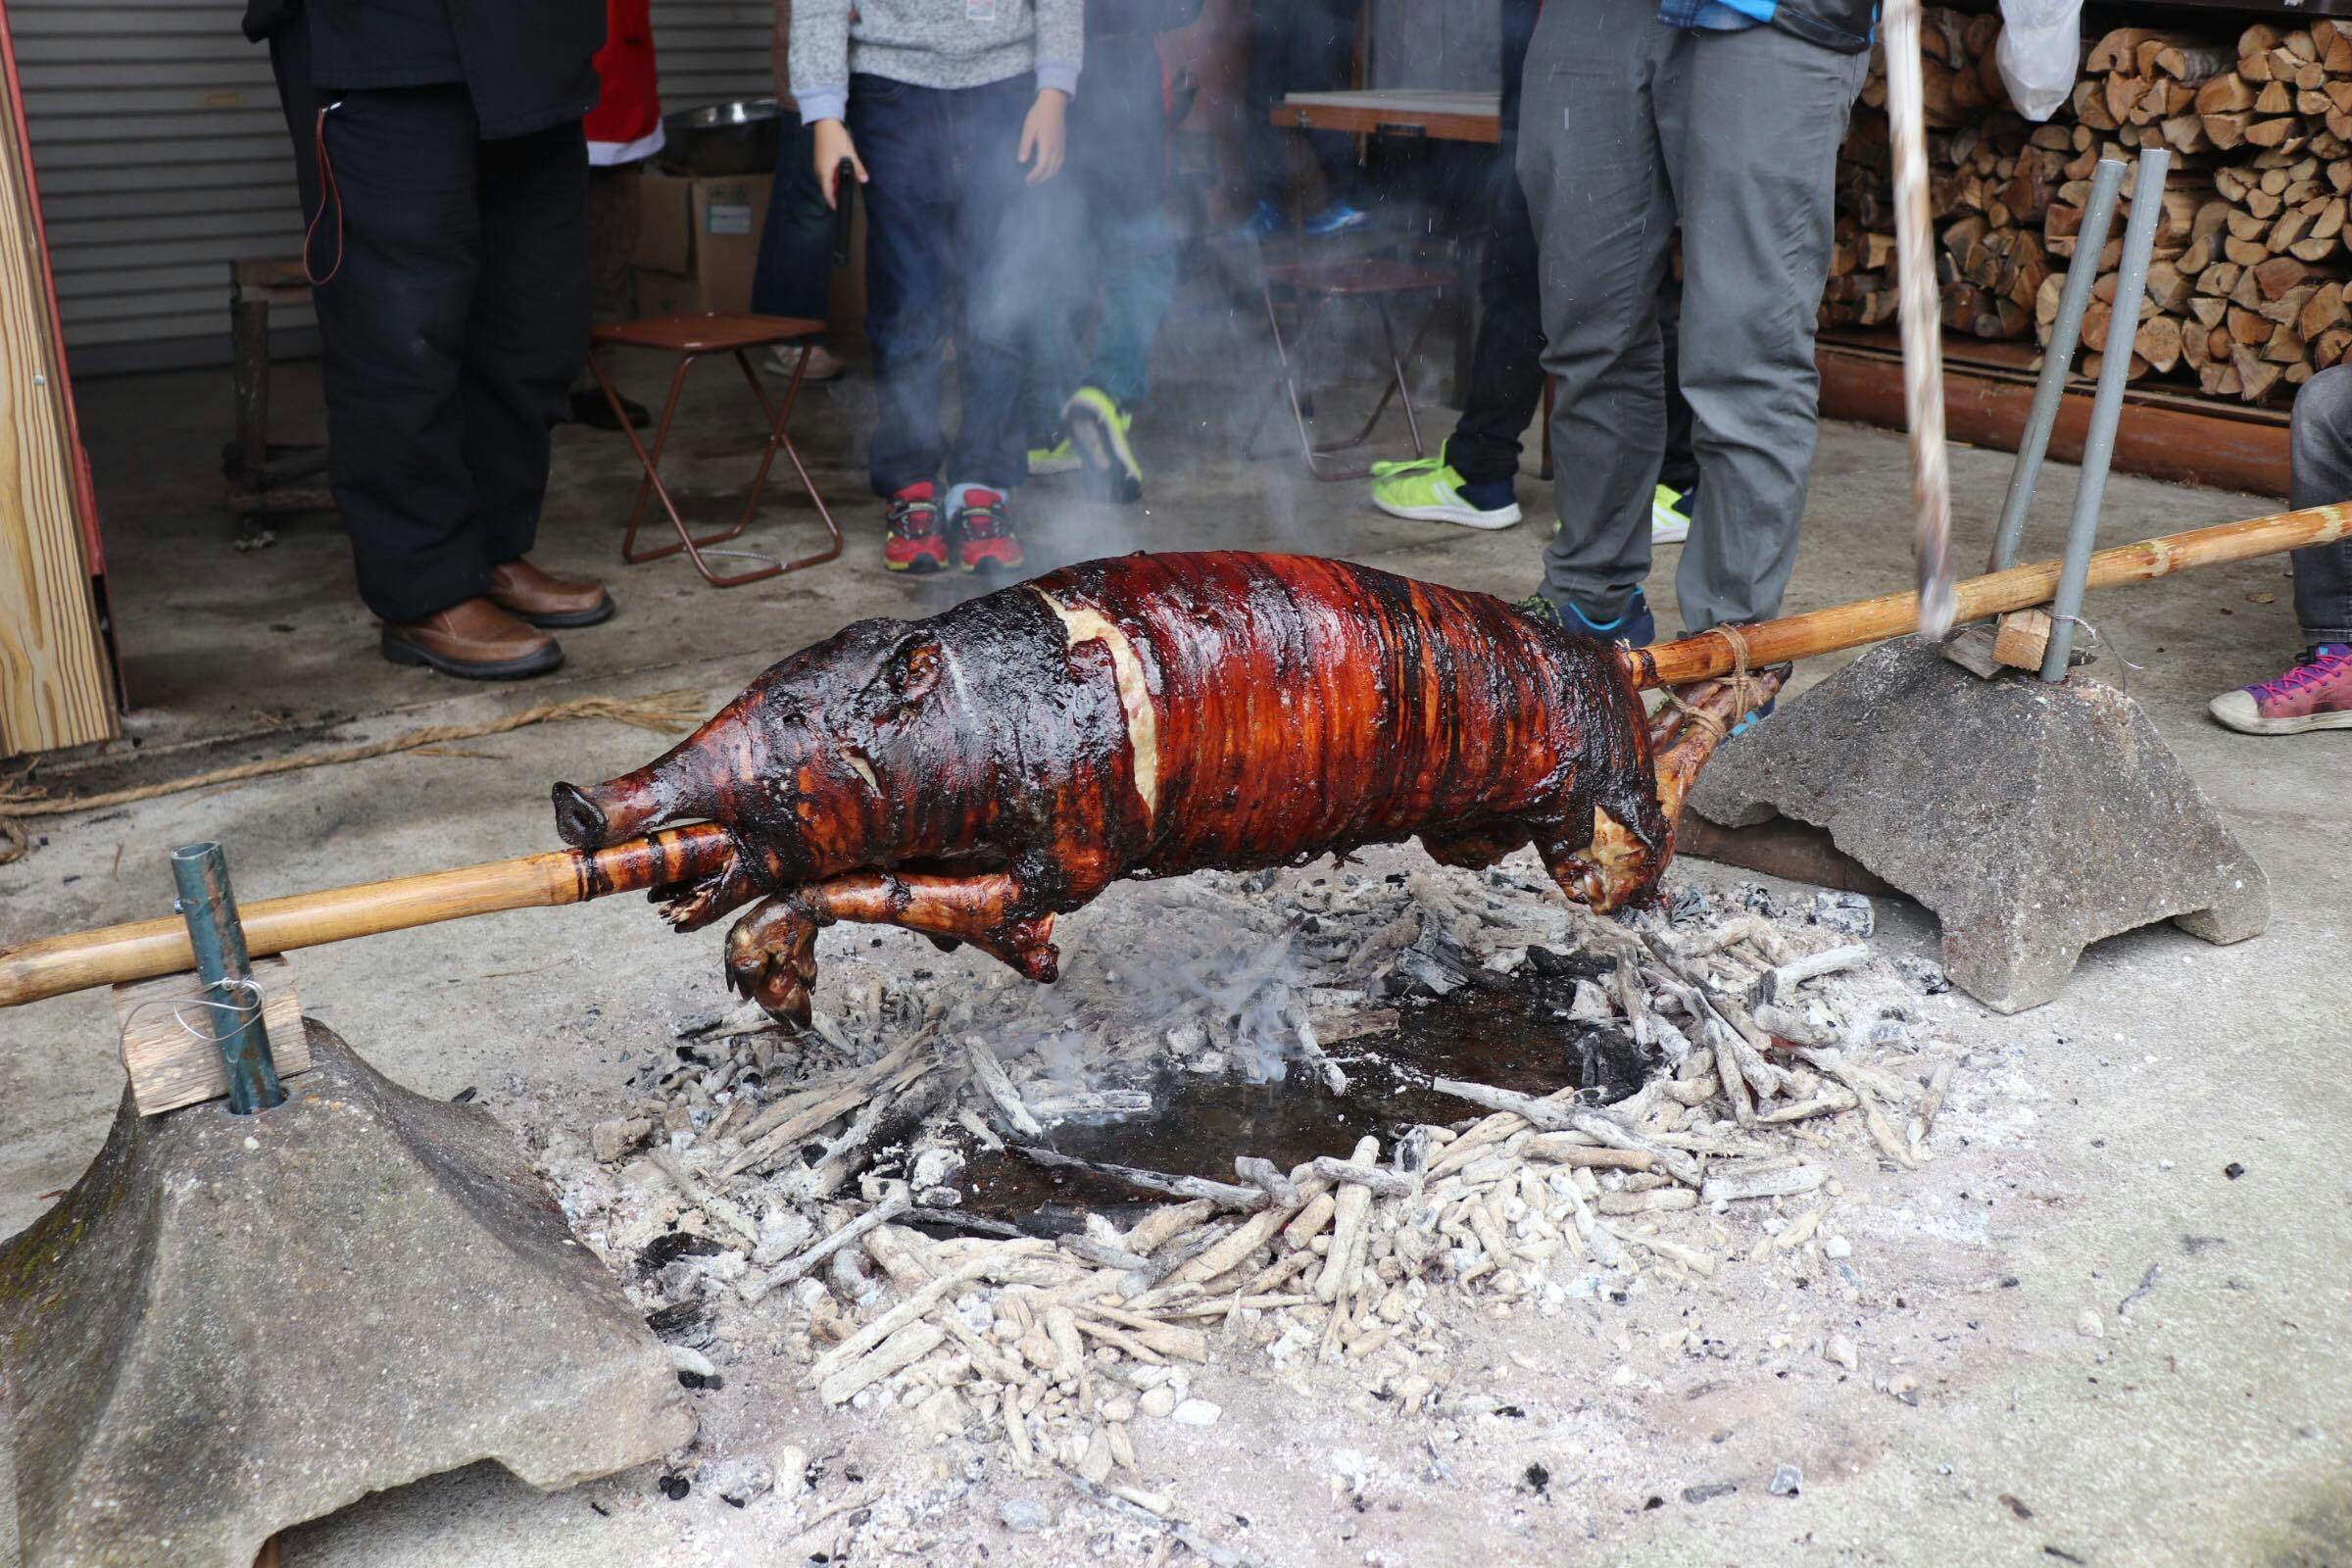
1100,429
1429,490
1059,458
1669,516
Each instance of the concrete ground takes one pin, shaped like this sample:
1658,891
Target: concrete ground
2213,1427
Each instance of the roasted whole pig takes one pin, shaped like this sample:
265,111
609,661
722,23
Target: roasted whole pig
973,775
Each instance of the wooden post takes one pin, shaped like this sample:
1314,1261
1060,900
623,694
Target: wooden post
56,684
249,333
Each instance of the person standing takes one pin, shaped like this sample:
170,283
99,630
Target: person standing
1472,479
445,180
1109,229
936,108
794,273
1724,116
624,132
2315,692
1299,46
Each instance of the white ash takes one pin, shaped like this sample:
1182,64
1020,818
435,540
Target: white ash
1081,1357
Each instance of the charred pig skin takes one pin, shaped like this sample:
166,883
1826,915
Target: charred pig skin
972,775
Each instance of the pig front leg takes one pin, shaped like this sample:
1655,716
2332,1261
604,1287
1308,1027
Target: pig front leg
771,952
689,907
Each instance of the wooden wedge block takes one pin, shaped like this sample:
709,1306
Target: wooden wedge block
2024,637
168,1051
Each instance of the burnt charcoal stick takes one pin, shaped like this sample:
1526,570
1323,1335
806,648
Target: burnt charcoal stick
973,775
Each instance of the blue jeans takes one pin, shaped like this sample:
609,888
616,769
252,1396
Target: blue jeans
794,275
1134,271
944,207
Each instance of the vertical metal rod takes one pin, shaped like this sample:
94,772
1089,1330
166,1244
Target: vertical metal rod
2098,444
200,871
2057,362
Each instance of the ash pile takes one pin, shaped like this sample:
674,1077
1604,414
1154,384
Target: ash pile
825,1195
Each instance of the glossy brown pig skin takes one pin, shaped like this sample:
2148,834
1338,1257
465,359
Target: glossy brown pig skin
976,773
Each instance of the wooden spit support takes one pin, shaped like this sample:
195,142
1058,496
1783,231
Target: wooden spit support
52,966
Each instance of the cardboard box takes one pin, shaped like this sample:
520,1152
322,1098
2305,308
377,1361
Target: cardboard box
698,241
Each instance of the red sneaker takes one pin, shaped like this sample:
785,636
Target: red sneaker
2316,693
983,536
913,539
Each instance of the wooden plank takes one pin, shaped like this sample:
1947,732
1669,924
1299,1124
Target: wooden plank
56,688
168,1051
1469,117
2178,438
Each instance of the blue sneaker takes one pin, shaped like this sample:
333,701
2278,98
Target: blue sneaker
1636,626
1265,222
1336,219
1751,720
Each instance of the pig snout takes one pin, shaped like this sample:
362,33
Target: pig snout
579,820
619,809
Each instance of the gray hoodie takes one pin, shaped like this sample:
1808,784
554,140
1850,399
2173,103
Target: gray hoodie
931,43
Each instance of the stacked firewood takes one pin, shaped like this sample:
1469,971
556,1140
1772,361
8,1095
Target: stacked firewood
2247,291
1988,189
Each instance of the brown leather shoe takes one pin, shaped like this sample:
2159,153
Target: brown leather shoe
473,641
545,599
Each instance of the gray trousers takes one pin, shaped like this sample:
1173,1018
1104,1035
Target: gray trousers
2322,444
1628,127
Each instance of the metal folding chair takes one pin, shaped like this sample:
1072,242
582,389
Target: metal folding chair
1315,284
689,337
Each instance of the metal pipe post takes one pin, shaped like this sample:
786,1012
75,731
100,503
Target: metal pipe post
2057,362
201,874
2098,444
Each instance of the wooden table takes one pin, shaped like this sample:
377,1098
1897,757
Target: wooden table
1438,115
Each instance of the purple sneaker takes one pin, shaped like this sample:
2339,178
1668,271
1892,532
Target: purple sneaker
2316,693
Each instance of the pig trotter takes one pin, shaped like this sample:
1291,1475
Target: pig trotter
771,959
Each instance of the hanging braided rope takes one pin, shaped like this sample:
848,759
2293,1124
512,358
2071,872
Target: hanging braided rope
663,713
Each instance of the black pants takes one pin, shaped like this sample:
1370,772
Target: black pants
1506,368
1297,46
450,332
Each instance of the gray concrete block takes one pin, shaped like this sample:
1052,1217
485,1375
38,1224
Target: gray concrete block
2034,819
232,1324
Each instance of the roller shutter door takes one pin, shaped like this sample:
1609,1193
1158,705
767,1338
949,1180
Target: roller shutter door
161,158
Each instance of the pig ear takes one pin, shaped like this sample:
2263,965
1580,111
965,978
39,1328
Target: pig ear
913,671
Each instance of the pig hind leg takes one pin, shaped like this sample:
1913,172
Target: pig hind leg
772,953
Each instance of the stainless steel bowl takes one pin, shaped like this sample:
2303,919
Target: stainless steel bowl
738,137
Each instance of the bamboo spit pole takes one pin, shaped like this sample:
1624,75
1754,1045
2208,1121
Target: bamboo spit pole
145,949
1873,620
54,965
